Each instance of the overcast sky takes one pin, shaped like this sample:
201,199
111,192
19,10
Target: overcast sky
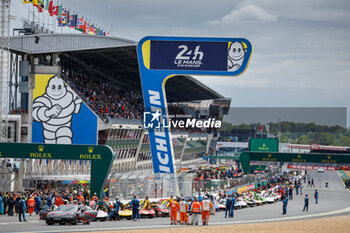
301,54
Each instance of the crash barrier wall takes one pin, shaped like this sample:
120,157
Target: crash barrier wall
303,167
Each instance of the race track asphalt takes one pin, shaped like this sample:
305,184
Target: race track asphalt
334,200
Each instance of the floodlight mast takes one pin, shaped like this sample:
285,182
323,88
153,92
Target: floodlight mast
4,67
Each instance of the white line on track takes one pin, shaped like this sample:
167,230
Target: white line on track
330,213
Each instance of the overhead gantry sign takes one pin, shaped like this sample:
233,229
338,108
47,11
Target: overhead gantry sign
101,157
246,157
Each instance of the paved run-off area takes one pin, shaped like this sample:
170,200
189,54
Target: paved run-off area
334,200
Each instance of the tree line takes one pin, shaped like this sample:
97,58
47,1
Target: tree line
298,133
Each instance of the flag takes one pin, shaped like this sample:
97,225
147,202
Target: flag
60,11
50,7
73,21
62,21
81,24
261,128
84,28
27,1
47,3
87,28
41,5
90,29
55,10
36,3
267,127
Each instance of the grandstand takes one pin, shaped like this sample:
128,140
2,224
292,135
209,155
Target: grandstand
103,73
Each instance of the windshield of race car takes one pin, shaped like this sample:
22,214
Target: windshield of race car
67,208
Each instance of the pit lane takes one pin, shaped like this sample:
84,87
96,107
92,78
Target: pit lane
332,201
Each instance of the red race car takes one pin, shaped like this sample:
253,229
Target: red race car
160,210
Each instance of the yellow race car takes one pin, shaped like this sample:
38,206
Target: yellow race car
126,212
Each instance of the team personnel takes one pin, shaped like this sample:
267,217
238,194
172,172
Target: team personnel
11,204
228,206
285,203
31,205
80,198
135,204
312,183
21,209
316,196
290,193
196,211
114,214
183,211
170,200
306,203
206,206
49,201
174,208
37,200
233,202
1,207
147,205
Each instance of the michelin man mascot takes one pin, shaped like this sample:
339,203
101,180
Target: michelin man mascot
236,53
54,109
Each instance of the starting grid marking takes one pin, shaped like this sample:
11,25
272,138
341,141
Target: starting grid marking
330,213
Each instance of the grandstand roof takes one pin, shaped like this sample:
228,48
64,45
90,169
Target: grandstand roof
59,42
111,57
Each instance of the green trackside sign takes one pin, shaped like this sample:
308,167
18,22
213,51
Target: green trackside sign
263,144
259,167
246,157
101,157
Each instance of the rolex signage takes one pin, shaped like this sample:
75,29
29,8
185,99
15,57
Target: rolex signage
263,144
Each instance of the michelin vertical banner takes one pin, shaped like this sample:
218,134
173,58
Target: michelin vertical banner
162,58
59,114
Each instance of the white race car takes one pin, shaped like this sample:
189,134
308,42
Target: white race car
241,203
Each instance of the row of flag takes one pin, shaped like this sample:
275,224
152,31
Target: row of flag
65,18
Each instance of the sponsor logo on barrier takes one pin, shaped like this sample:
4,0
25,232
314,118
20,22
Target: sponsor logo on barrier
269,159
91,149
299,160
90,156
41,148
41,155
328,161
264,148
